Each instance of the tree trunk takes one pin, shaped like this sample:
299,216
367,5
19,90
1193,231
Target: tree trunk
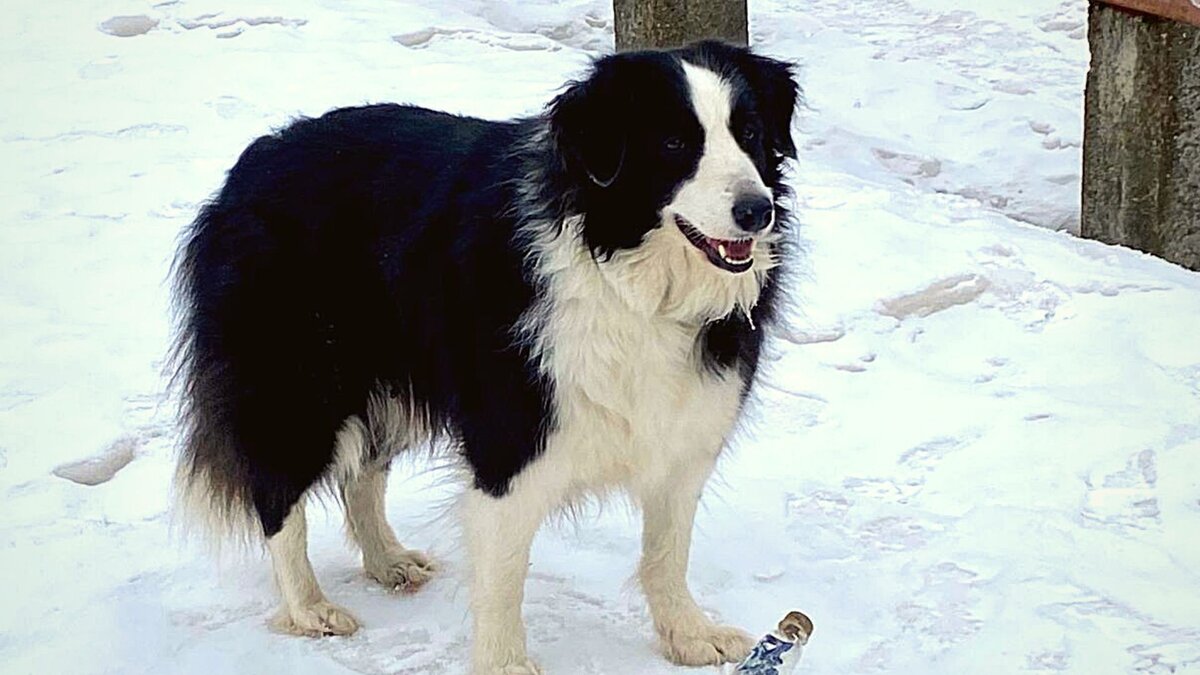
1141,151
663,24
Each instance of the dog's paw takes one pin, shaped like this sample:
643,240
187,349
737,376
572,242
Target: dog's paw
707,645
526,668
401,570
316,620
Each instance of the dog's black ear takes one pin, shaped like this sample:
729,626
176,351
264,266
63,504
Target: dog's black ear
777,93
588,125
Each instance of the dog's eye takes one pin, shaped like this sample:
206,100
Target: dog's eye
674,144
749,134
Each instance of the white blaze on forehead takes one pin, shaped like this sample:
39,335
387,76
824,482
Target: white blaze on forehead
711,99
725,171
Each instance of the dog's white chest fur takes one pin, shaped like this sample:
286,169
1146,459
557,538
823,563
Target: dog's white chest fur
632,399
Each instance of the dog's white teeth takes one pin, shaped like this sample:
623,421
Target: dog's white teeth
725,256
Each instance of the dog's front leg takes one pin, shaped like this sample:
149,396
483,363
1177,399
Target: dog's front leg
499,532
689,637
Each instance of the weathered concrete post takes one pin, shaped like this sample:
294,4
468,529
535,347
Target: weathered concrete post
645,24
1141,150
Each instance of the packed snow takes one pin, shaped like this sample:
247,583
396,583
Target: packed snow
976,448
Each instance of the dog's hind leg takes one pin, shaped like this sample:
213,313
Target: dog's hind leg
384,558
305,610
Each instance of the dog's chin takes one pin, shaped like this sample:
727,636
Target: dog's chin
732,255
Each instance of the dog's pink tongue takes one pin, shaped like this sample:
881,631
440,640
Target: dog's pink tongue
739,250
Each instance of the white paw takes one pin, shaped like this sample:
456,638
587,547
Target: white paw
315,620
526,668
707,645
401,570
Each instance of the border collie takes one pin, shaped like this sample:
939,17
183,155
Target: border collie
573,302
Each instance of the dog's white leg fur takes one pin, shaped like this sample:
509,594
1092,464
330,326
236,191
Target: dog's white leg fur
384,558
668,511
499,533
305,610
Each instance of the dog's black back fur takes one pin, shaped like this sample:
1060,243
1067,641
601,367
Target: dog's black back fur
384,248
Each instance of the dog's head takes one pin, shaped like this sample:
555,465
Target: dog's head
680,152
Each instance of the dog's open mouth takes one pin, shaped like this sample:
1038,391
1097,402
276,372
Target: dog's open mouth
731,255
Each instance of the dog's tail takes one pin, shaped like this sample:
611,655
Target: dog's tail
212,485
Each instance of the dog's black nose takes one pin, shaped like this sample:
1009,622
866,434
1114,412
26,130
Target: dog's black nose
753,213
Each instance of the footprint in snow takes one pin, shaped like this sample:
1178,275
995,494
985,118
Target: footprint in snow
819,506
1041,128
958,97
1070,18
857,366
1110,289
128,26
236,25
885,489
1127,498
908,166
895,533
421,39
1160,647
936,297
1053,661
1053,141
814,335
995,364
927,455
406,651
942,612
101,468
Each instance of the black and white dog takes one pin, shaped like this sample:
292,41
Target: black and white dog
574,302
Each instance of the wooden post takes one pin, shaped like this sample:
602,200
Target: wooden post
1179,10
662,24
1141,150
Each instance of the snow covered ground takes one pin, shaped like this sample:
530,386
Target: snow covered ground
977,449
